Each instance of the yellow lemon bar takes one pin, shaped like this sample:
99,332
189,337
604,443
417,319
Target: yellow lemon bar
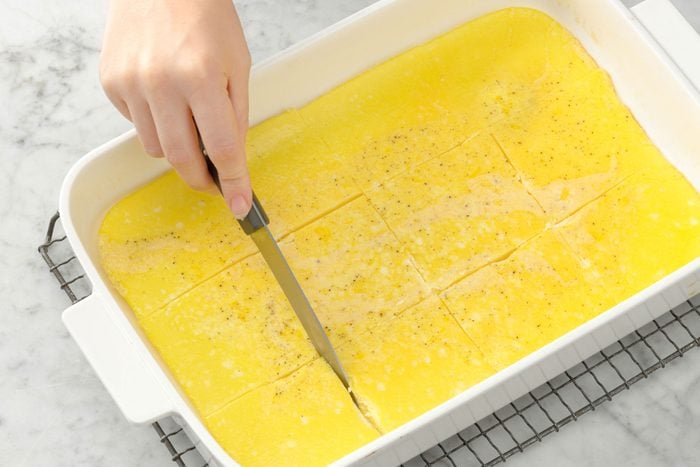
229,335
353,270
458,212
503,63
576,145
296,176
164,239
388,119
637,233
513,307
430,134
306,419
411,364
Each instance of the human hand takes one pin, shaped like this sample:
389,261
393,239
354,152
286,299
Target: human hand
165,62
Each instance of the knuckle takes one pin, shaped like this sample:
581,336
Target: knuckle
223,152
113,81
196,70
105,73
108,82
178,157
154,77
236,173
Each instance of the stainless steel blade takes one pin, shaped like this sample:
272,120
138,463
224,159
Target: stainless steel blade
255,226
280,269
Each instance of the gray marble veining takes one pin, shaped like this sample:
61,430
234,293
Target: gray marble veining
53,410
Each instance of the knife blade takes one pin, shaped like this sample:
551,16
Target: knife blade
295,294
255,225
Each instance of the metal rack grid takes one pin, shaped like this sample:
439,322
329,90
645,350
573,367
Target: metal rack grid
507,431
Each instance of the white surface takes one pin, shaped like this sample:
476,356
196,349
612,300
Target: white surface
52,412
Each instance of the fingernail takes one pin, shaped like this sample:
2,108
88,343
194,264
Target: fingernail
239,207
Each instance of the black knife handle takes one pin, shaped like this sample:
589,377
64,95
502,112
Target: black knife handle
256,218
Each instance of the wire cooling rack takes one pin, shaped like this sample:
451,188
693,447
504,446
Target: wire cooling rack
507,431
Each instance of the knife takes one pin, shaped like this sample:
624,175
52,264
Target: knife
255,225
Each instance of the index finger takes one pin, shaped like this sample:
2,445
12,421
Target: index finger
222,137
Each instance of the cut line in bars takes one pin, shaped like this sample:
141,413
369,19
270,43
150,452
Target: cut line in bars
504,433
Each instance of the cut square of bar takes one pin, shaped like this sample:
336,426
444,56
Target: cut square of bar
460,211
290,421
411,364
576,145
295,174
353,270
514,307
164,238
637,233
231,334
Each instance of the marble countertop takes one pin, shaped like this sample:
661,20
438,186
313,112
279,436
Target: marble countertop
53,410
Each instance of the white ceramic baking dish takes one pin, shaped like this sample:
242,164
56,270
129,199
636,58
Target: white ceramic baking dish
659,94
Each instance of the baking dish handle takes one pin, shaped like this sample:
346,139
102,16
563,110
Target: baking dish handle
114,358
673,33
